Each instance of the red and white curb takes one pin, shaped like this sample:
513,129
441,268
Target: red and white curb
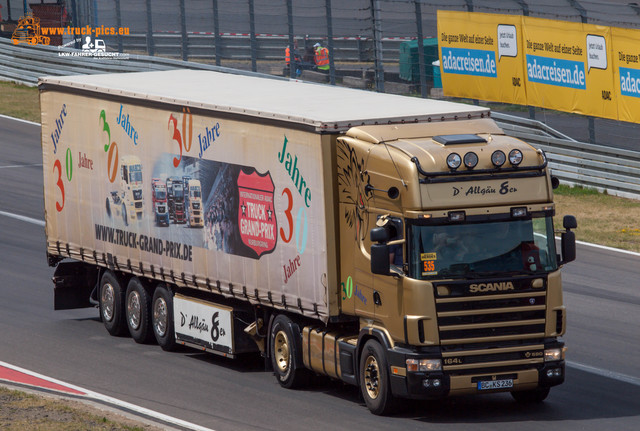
12,374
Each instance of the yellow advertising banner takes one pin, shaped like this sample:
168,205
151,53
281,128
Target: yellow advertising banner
626,67
481,56
568,67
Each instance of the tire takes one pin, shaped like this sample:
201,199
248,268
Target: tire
138,312
124,215
112,304
162,318
375,385
285,344
532,396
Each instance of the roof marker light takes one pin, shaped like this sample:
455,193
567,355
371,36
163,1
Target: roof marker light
470,160
515,157
498,158
454,161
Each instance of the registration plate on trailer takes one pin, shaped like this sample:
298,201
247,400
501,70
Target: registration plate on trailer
495,384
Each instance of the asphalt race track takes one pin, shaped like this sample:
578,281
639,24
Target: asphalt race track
602,391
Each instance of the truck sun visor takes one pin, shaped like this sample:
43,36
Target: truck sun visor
459,139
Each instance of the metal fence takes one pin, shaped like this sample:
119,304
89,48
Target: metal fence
614,170
364,31
611,169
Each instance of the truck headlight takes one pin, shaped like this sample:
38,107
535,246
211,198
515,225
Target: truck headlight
424,365
553,354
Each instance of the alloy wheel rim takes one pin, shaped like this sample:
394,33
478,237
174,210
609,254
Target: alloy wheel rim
282,351
108,302
372,377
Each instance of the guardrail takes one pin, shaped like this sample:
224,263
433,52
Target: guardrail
25,63
238,47
615,170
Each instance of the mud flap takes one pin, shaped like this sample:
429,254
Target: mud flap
73,283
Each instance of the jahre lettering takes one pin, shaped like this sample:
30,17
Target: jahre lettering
209,138
55,136
127,126
84,161
291,166
291,268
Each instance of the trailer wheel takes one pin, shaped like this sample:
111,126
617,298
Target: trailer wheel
112,304
286,353
374,380
162,318
138,311
124,215
531,396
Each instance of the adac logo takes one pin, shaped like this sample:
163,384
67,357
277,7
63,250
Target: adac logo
28,31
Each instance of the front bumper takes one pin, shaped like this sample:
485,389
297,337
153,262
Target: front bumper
429,385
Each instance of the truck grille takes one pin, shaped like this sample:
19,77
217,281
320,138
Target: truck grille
491,331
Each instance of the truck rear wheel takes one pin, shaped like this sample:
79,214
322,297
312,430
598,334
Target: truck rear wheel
286,353
374,380
112,304
162,318
531,396
138,310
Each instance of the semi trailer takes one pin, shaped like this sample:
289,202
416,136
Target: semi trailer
402,245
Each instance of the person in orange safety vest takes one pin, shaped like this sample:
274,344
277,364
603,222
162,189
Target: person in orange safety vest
321,57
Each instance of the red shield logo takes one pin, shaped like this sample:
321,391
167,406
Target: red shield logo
256,213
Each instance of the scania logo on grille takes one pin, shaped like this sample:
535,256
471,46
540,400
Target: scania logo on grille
491,287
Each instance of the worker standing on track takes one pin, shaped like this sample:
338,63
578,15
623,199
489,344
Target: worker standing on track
321,57
297,63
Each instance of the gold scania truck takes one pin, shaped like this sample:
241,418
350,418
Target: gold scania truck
399,244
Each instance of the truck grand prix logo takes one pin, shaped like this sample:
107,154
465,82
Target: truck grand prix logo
256,213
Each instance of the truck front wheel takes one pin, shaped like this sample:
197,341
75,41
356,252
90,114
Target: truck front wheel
286,353
138,312
112,304
162,318
374,380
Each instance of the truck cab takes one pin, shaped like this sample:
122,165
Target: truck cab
159,197
474,304
194,203
128,202
175,199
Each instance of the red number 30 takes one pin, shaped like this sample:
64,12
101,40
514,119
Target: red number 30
60,184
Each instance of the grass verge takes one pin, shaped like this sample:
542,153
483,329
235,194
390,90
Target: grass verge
21,411
602,219
19,101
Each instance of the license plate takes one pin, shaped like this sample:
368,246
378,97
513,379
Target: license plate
495,384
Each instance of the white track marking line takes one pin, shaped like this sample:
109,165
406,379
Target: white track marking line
113,401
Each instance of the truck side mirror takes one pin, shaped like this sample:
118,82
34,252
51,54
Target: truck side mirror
379,234
568,244
569,222
380,258
568,239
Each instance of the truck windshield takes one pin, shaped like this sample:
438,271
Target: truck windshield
482,249
135,173
177,191
161,195
195,193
